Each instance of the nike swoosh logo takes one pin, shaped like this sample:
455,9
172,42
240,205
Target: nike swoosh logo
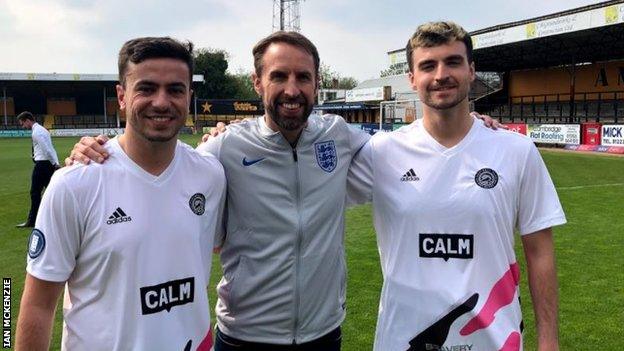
249,163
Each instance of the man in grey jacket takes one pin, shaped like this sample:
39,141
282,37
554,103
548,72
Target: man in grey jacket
283,256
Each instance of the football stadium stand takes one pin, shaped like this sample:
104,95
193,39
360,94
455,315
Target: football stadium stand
63,101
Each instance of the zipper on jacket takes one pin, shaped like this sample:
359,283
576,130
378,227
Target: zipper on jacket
297,248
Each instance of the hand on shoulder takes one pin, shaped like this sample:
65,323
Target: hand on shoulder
88,149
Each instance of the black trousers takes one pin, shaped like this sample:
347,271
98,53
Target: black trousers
328,342
41,174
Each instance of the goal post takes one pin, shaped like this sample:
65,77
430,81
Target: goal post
399,111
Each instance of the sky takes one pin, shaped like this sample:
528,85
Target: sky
353,37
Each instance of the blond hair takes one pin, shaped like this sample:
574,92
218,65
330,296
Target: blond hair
435,34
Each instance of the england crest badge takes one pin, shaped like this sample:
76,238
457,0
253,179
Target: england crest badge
326,156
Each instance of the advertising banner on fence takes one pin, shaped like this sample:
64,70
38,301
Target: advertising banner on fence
83,132
555,133
17,133
596,148
372,128
613,135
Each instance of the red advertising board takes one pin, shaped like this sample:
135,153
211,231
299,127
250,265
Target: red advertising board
590,133
517,127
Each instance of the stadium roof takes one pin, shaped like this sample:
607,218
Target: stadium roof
585,34
70,77
399,83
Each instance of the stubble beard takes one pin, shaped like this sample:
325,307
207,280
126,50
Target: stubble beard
462,94
144,133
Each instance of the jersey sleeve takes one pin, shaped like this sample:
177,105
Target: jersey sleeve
539,206
219,236
360,177
55,241
211,146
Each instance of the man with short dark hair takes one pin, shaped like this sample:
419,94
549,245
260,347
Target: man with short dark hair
131,240
46,162
448,194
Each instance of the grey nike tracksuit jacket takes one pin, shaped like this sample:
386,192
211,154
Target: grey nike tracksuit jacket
282,251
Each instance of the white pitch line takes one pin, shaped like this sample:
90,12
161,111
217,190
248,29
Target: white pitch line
588,186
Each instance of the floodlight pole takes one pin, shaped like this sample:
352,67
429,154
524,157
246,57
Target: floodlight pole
381,106
194,110
4,100
281,14
105,114
286,15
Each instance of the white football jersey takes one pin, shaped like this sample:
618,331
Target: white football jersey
135,250
445,220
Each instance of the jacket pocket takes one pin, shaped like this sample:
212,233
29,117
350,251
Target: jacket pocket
323,291
227,288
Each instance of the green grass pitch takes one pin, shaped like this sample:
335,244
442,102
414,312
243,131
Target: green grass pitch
590,250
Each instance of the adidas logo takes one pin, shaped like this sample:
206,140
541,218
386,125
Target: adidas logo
118,216
410,176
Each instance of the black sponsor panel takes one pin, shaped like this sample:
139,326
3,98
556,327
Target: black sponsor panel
446,246
230,107
434,337
164,296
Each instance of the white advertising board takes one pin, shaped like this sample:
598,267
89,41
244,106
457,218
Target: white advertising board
555,133
397,57
594,18
71,77
366,94
84,132
612,135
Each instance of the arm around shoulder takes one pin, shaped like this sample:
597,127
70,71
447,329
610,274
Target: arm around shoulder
36,315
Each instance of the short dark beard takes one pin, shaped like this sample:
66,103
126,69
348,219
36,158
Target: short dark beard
289,123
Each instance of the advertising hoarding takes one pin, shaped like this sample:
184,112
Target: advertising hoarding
555,133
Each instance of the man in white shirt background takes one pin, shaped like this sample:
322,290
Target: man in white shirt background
46,162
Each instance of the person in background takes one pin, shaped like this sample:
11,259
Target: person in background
46,162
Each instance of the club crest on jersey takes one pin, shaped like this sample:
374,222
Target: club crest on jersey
164,296
446,246
36,243
326,155
197,203
486,178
